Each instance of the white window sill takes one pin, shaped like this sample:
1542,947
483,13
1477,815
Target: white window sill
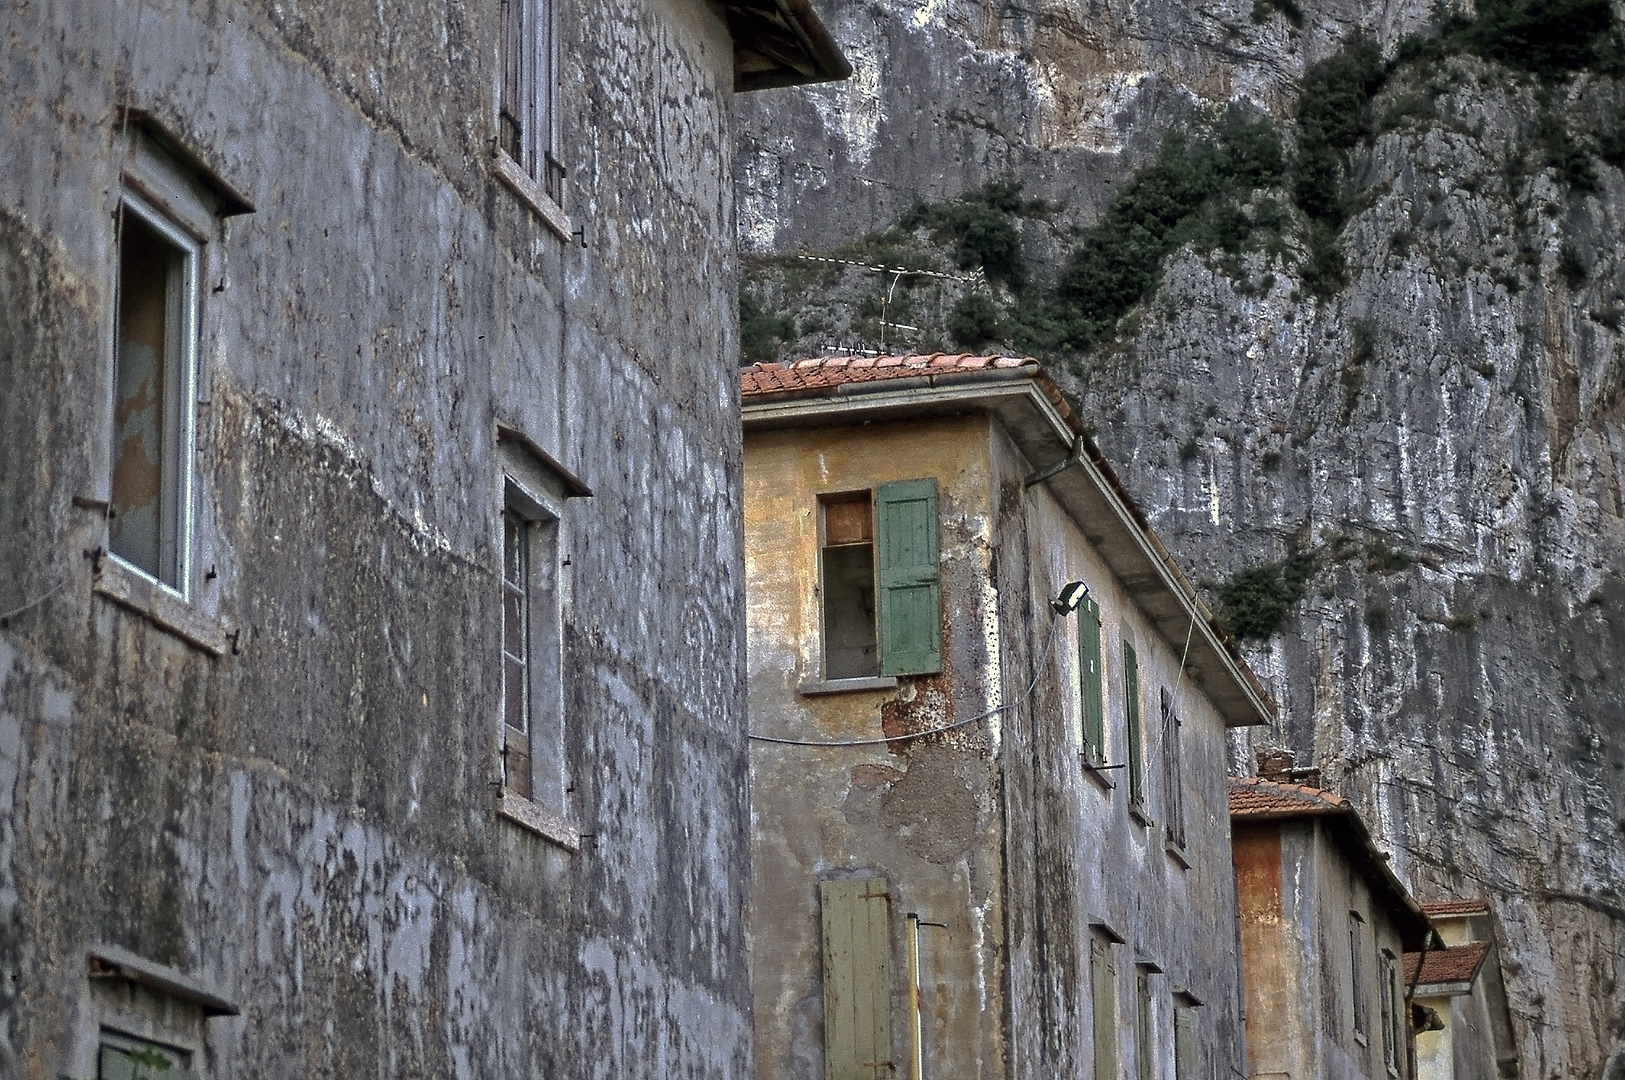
1176,853
847,686
535,818
1136,811
135,591
531,194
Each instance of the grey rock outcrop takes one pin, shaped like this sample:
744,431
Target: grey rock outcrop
1446,434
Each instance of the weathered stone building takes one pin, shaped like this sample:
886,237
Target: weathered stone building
990,838
1465,1025
340,734
1325,925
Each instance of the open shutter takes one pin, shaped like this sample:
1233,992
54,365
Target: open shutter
1092,701
857,979
910,592
1131,725
145,1063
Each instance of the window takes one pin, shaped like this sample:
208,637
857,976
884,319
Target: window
527,106
882,598
1103,998
857,979
150,489
121,1058
1173,771
530,592
1390,1011
1144,1030
532,725
1091,692
1357,973
1131,724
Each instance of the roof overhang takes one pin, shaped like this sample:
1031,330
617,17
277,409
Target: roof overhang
780,43
1029,408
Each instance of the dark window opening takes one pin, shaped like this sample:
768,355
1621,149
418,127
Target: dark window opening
145,500
850,640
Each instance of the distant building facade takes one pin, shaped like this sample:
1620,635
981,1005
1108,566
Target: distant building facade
1463,1023
1325,925
990,836
371,620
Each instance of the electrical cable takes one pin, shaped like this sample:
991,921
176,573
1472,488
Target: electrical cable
34,603
1038,670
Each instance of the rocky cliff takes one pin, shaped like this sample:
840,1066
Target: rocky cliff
1338,285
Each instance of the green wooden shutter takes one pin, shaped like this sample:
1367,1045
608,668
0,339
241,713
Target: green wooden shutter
857,979
142,1063
1103,990
1131,724
910,591
1092,700
1185,1047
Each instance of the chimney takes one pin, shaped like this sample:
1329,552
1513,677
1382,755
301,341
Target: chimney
1277,766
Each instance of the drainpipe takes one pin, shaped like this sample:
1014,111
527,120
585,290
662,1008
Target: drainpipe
915,1070
1074,457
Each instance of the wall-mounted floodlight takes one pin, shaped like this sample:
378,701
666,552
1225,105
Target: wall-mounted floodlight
1072,594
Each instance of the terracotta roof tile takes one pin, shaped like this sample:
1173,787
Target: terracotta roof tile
1252,797
1456,907
1457,964
828,372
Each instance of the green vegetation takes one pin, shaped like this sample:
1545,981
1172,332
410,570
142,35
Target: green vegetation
761,332
1352,376
981,227
1382,559
974,321
1550,39
1256,602
1288,9
1191,193
1571,265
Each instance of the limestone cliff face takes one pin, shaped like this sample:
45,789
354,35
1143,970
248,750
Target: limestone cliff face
1445,433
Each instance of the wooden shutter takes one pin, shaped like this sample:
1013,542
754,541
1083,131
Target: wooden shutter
1131,724
1092,700
144,1063
910,592
1185,1045
857,979
1103,989
1173,771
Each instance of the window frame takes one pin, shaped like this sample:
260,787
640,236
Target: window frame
825,501
539,89
532,490
179,363
1172,739
890,579
1134,727
1090,686
1359,1008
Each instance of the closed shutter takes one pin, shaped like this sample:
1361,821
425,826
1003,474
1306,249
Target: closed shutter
1092,698
910,592
1131,725
857,979
1103,989
139,1063
1185,1050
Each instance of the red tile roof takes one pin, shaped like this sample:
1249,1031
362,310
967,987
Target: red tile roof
1253,798
1457,964
1456,907
819,373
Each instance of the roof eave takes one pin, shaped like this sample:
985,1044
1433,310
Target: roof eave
780,43
1044,429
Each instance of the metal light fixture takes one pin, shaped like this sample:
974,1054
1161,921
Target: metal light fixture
1072,594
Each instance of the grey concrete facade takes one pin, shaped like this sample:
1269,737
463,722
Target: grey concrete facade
277,790
993,829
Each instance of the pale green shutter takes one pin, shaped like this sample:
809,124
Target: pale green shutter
1103,989
142,1063
1131,724
910,592
857,979
1185,1050
1092,699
